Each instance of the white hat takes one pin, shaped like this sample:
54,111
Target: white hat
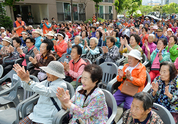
169,29
3,28
60,34
70,22
31,26
97,23
79,28
54,68
135,53
50,33
146,18
38,31
7,39
127,32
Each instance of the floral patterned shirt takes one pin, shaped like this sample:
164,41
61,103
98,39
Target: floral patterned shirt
152,118
93,110
162,99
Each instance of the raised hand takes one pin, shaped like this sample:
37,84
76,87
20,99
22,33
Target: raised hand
54,42
24,75
35,51
19,50
32,60
128,74
120,73
122,41
155,86
63,96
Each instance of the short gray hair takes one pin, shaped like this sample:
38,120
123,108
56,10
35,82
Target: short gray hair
79,37
95,39
152,36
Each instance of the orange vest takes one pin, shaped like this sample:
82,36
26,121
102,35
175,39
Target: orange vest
45,29
19,31
75,66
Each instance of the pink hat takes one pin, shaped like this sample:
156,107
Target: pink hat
176,63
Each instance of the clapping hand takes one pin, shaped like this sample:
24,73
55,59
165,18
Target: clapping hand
35,51
54,42
69,45
128,74
32,60
105,49
19,50
155,86
167,93
120,73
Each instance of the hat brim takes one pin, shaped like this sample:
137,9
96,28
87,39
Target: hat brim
133,56
50,71
37,32
6,40
49,35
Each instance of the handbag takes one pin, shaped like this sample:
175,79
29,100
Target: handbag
129,89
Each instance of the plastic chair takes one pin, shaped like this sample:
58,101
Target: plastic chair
18,61
164,114
1,70
65,58
110,71
87,61
10,95
144,60
110,100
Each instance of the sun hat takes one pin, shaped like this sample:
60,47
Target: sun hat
155,27
54,68
30,26
97,23
169,29
79,28
50,33
7,39
2,28
24,32
135,53
159,29
38,31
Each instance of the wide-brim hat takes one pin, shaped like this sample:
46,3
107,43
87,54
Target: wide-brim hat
38,31
54,68
159,29
135,53
7,39
50,33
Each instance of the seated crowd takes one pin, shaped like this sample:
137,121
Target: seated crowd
39,52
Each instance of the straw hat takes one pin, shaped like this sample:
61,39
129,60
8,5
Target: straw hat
135,53
54,68
50,33
38,31
7,39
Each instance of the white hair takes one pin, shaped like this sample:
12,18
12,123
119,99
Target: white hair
95,39
79,37
152,35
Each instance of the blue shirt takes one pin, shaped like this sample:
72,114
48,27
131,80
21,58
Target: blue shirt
70,49
38,42
93,34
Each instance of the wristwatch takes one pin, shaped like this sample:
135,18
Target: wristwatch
29,83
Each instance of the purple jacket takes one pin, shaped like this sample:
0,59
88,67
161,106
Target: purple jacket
152,47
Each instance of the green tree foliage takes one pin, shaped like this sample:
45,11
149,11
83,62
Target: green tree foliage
145,9
5,21
97,7
130,5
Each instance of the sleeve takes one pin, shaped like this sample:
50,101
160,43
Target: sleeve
124,50
140,81
69,50
173,51
14,25
115,54
174,99
48,26
166,57
50,91
58,48
26,86
41,25
96,104
27,56
77,74
95,51
49,59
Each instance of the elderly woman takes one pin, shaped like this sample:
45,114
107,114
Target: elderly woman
77,41
88,105
91,52
75,66
165,87
172,47
60,46
42,59
111,54
45,109
134,41
99,37
158,56
141,111
6,49
27,51
38,38
150,43
134,72
84,35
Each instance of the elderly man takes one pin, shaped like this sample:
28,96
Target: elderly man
2,31
45,25
77,41
146,21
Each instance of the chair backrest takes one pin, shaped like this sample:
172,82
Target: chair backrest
164,114
87,61
110,71
70,88
144,59
9,75
100,50
148,83
65,58
111,103
1,70
26,93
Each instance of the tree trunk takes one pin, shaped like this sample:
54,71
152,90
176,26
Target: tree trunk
96,12
72,19
12,13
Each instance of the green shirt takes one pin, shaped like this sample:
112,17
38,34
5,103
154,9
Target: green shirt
173,52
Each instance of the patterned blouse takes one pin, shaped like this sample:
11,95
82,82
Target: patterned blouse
162,99
92,109
152,118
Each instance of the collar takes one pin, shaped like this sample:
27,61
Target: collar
145,121
31,47
77,61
